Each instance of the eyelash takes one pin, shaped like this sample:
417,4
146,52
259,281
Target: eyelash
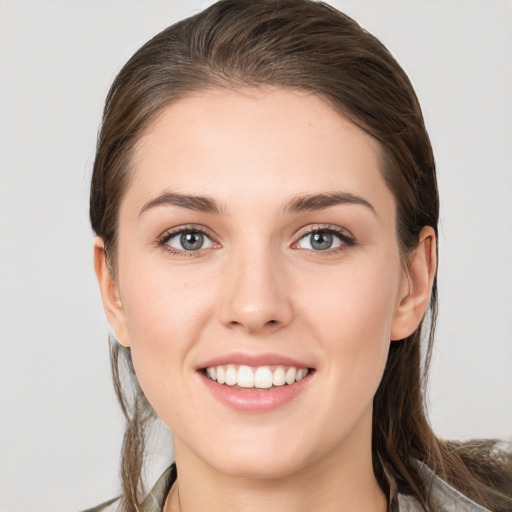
346,239
163,240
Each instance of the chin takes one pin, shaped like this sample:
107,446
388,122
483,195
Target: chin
258,462
257,469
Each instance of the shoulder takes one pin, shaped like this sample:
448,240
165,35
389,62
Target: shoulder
153,502
443,496
108,506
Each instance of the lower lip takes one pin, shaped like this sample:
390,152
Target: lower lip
252,400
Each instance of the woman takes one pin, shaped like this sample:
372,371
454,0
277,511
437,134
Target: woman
265,201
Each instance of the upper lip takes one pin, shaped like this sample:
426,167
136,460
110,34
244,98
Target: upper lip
247,359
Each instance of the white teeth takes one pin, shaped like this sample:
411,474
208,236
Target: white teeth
290,375
279,377
221,377
261,377
245,377
231,376
301,374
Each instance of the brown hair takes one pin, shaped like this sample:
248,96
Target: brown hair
310,46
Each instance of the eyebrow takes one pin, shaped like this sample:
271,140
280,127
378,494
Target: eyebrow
321,201
192,202
297,204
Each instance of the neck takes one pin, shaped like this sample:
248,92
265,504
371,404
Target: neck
343,481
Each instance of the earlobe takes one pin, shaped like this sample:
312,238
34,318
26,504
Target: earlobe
418,279
109,293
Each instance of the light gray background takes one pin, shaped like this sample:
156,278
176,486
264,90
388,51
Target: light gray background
60,427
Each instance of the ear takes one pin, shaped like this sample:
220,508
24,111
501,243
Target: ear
109,293
417,281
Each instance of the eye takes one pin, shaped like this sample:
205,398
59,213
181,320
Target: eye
324,240
187,240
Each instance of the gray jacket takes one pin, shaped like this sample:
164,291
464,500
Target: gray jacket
444,497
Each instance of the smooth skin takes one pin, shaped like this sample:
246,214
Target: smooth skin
257,283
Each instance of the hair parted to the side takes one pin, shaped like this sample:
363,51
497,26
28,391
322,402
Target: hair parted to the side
306,45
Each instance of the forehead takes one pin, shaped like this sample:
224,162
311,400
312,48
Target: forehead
239,145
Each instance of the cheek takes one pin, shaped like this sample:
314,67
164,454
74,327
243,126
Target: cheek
356,299
165,315
351,314
163,307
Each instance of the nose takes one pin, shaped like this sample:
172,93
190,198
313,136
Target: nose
257,297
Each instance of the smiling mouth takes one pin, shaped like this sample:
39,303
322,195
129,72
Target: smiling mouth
259,378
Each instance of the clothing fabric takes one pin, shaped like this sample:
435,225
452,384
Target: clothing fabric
445,498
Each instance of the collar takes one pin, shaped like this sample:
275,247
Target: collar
444,497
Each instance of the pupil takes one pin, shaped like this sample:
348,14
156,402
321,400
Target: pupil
321,241
191,241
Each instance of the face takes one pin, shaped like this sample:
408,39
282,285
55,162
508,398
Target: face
259,280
